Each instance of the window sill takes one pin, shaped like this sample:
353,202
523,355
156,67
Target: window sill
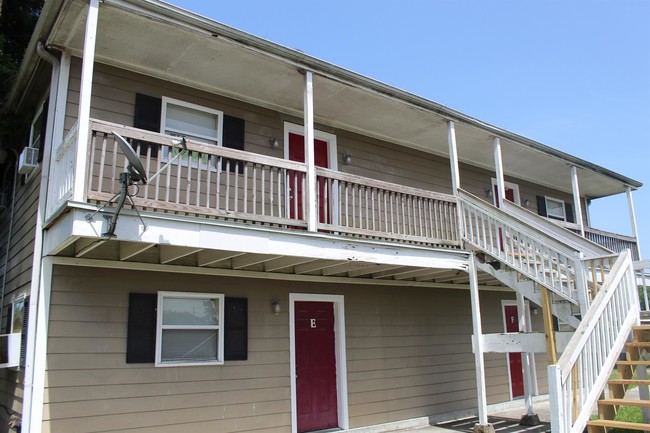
187,364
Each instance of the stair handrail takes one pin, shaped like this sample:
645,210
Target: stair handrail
554,262
502,216
581,373
588,247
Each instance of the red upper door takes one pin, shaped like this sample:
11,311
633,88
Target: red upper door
514,359
510,195
315,366
321,159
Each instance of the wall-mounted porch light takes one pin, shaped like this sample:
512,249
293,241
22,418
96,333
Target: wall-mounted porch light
273,142
277,308
488,192
347,158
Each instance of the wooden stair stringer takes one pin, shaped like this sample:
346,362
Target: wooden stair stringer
526,287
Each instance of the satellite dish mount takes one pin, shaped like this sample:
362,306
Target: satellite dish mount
133,175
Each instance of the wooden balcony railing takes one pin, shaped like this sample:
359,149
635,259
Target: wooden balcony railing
612,241
230,184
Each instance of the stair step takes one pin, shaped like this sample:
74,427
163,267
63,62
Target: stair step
624,402
630,363
616,424
641,333
629,381
640,344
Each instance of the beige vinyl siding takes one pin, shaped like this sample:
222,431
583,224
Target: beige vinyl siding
114,98
408,352
17,275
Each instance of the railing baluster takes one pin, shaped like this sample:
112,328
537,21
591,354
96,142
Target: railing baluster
147,168
227,174
188,190
208,183
271,189
178,179
114,177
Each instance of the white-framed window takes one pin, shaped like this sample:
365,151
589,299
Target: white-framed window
190,329
37,128
555,208
191,121
17,315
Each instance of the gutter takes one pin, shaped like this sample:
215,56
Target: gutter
45,22
37,325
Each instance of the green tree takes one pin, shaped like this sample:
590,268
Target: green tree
17,21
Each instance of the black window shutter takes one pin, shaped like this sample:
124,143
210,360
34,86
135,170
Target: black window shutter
233,138
41,147
147,116
141,332
236,329
568,211
541,205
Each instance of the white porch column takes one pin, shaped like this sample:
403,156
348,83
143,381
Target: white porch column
453,157
478,346
577,204
635,233
311,200
79,192
522,313
498,166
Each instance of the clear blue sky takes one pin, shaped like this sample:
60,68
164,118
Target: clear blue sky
574,75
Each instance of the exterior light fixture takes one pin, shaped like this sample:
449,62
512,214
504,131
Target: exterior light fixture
347,158
274,142
277,308
488,192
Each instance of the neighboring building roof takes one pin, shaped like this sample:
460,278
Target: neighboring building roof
200,46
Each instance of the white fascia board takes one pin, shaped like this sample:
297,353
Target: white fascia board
534,342
250,239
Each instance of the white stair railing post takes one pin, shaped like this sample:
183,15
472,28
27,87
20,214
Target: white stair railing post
581,283
555,399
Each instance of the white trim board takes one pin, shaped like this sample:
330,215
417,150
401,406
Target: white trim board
341,363
248,239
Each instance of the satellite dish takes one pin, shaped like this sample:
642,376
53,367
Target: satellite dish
134,174
134,167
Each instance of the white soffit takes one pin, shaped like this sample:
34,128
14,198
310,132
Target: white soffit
176,52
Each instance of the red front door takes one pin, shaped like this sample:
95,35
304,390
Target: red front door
315,366
321,159
514,359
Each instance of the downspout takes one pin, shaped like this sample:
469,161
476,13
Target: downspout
37,330
11,225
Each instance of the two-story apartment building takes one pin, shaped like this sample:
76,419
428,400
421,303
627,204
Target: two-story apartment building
223,234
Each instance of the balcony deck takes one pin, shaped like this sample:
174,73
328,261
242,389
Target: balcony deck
210,183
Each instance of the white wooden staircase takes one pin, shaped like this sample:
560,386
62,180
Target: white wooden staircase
593,290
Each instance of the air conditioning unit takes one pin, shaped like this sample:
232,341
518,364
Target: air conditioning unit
28,160
10,350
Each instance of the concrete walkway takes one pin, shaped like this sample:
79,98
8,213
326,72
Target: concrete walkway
504,421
